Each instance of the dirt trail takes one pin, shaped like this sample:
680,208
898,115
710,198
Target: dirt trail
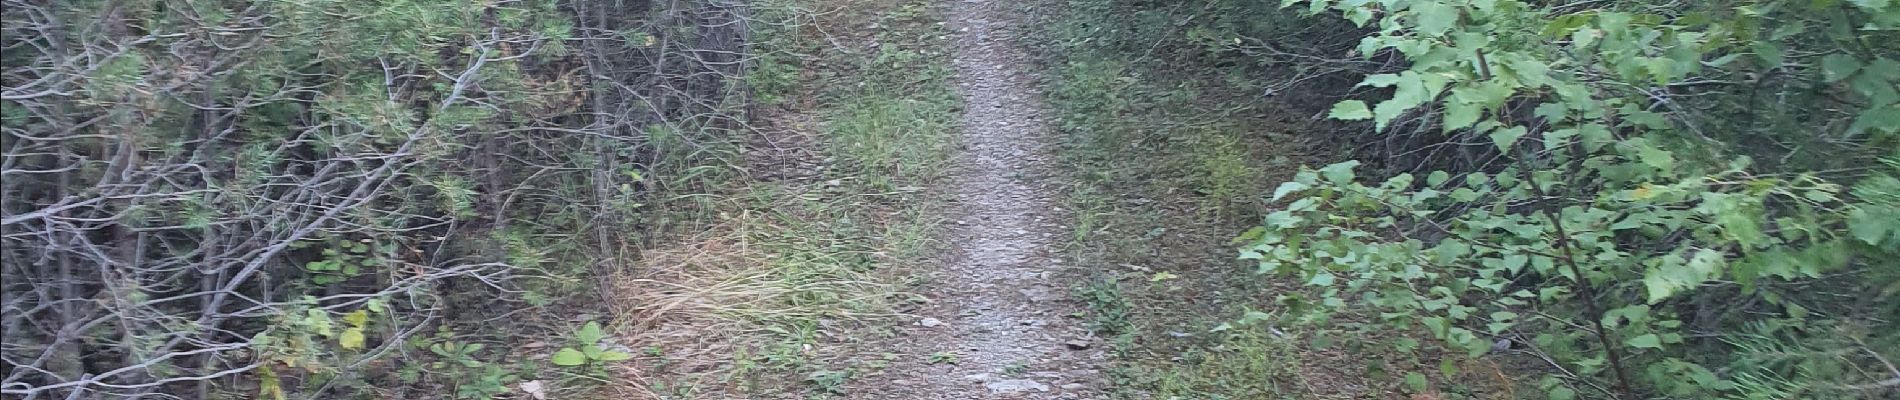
1000,304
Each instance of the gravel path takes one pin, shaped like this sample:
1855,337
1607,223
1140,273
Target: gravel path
1001,304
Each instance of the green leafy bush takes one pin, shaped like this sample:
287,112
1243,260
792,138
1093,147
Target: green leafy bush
221,198
587,350
1626,228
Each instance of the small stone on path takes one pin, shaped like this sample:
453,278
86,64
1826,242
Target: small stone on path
1016,385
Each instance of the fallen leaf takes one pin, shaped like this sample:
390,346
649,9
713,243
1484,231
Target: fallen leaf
535,389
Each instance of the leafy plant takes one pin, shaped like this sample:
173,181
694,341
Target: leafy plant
485,383
829,381
457,354
462,366
587,352
1615,225
942,357
205,213
340,259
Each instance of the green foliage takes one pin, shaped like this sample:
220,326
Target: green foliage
1243,364
1627,215
312,338
816,249
1167,137
942,357
886,137
269,196
1108,309
829,381
896,124
341,260
587,352
460,365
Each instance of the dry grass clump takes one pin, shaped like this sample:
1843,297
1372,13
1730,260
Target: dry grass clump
759,290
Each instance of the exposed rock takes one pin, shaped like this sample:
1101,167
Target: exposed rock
1015,386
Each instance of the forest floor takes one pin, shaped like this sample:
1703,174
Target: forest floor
1000,323
897,234
939,208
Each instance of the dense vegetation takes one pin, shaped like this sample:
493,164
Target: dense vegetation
1684,202
321,198
1171,140
282,199
1617,199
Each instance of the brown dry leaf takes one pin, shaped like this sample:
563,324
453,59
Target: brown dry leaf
535,389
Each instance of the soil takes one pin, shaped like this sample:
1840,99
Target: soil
1000,323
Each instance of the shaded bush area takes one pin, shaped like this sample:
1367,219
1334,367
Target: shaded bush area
338,198
1171,136
1623,199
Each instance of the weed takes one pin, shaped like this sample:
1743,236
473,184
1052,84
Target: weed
1223,173
461,365
1243,364
885,138
587,353
1167,168
828,381
1015,369
942,357
1108,309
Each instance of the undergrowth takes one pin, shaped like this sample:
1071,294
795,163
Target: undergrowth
772,295
1169,156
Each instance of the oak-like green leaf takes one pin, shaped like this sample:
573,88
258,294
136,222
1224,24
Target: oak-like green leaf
351,339
1506,137
1868,229
1350,110
568,357
590,333
1434,18
1288,188
1647,341
1340,172
1835,67
1459,115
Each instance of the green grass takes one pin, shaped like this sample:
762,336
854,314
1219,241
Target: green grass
1168,169
886,138
1249,364
803,261
1161,190
1224,173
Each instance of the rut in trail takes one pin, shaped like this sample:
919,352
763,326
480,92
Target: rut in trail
1000,303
